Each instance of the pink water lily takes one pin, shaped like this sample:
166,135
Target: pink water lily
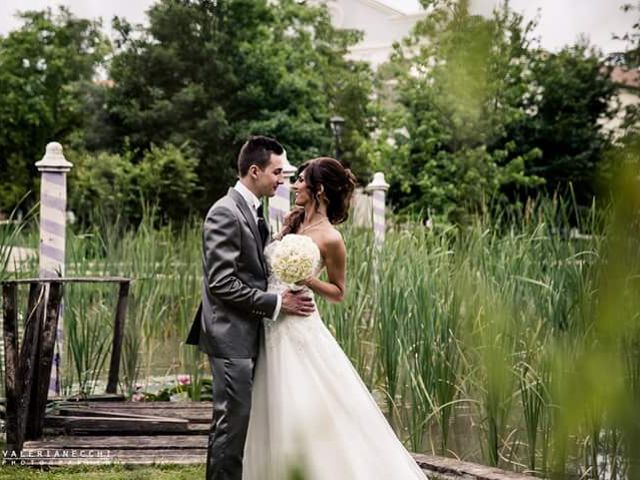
184,379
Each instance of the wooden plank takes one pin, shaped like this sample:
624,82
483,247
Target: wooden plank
45,356
58,420
196,415
191,429
140,405
22,281
34,420
107,398
198,428
12,380
118,332
34,416
138,442
29,352
453,469
116,425
93,412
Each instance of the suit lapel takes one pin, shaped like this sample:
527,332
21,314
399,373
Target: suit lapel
248,216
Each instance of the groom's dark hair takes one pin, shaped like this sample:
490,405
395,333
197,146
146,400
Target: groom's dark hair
257,151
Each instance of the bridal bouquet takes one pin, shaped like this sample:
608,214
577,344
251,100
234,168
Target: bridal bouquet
294,258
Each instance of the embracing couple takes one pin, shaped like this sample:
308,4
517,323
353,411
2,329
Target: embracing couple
287,403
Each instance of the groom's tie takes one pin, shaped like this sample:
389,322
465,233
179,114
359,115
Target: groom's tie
262,226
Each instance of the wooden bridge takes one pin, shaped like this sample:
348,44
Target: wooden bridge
28,362
116,431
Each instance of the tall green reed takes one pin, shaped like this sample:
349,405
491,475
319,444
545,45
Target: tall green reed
480,336
350,320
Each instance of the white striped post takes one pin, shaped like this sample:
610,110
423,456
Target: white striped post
53,204
378,188
280,203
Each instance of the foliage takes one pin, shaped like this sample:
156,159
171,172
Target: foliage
166,177
42,65
481,114
103,182
468,113
114,186
499,354
212,73
10,233
201,77
182,390
574,97
460,84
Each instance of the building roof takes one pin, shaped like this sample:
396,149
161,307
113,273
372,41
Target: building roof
389,7
626,77
393,5
383,5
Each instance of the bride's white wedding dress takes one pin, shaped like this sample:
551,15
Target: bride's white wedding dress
311,413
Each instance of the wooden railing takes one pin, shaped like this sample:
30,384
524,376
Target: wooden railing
28,365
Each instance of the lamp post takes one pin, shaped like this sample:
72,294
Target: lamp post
337,127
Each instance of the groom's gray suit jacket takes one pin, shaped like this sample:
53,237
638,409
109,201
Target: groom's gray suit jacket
234,298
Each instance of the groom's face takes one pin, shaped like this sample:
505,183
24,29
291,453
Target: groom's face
268,180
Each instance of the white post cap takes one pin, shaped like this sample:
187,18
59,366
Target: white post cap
287,169
378,183
53,160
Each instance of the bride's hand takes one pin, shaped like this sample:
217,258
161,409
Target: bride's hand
306,282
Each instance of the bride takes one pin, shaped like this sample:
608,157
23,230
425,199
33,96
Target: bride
312,417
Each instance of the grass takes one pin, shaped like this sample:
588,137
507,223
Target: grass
169,472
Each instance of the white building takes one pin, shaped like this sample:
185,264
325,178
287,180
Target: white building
383,23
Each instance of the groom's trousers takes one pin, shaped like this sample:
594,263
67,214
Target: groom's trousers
232,382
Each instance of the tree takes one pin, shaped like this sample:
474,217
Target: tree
460,81
488,115
112,186
41,67
574,98
208,74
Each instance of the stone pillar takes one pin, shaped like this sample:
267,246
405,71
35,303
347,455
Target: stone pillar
53,204
378,188
280,204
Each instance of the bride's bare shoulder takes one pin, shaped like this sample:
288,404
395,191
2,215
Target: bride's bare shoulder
330,241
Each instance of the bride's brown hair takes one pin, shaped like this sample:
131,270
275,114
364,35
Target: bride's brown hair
338,182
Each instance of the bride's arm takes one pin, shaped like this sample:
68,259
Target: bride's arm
335,260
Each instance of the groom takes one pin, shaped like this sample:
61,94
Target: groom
228,324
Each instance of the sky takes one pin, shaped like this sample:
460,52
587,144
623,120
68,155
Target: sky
561,22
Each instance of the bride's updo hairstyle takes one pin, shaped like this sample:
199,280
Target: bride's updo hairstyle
338,184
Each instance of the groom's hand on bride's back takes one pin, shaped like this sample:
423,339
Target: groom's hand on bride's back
297,303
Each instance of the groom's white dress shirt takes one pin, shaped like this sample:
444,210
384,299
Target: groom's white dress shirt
254,202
